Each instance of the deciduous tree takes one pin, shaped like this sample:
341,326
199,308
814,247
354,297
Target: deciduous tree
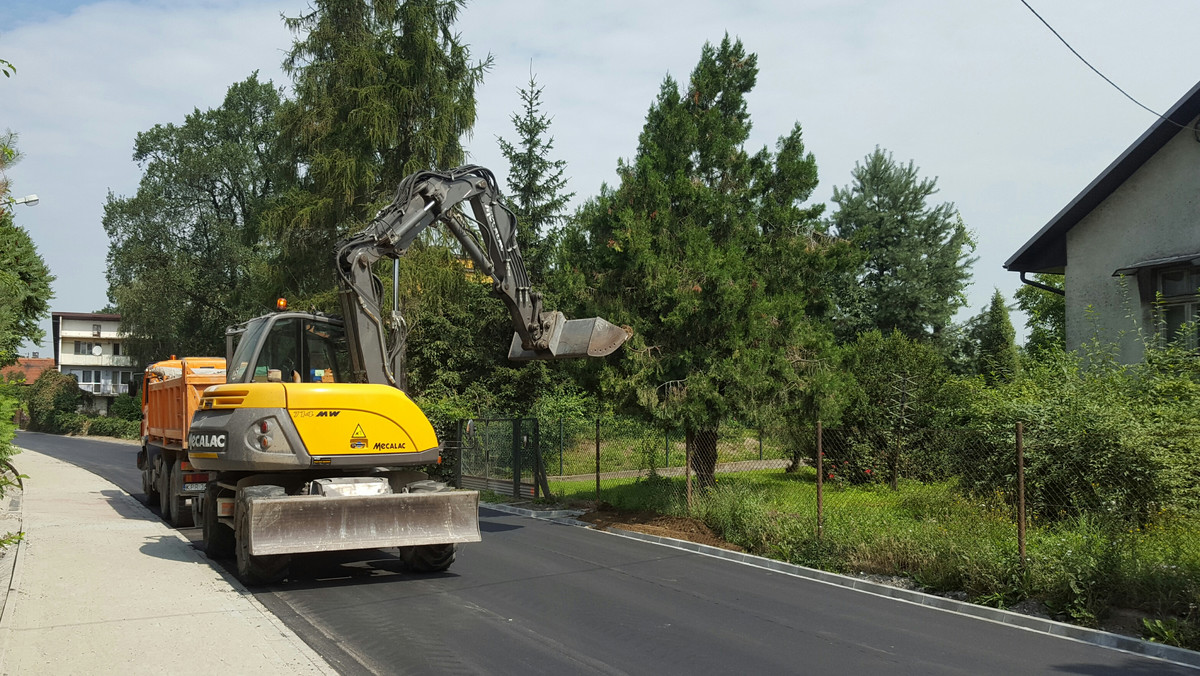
187,254
25,280
1046,315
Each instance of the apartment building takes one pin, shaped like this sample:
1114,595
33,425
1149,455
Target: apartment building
88,346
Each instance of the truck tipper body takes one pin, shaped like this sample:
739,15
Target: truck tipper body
171,391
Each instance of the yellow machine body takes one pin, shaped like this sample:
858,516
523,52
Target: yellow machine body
255,426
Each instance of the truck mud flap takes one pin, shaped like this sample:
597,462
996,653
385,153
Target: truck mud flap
303,523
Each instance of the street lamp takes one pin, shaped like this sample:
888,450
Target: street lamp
28,200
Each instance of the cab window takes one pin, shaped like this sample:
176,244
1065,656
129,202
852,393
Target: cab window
328,355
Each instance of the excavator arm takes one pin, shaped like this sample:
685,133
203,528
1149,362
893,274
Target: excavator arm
489,238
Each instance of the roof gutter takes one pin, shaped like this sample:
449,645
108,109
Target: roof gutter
1039,285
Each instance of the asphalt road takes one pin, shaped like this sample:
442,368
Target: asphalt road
541,598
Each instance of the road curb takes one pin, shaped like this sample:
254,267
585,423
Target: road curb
10,575
1180,656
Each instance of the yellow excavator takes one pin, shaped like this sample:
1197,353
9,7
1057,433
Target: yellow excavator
312,445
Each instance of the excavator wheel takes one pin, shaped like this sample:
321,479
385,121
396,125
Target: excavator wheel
219,541
255,570
427,558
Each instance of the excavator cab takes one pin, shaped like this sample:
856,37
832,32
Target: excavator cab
290,347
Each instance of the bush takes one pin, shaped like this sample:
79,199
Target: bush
126,407
114,427
53,393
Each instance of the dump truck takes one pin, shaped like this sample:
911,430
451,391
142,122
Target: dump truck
170,395
311,440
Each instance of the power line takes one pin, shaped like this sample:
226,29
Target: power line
1096,71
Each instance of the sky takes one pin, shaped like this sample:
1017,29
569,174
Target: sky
978,94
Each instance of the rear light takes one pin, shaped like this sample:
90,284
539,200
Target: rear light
265,442
263,426
185,466
225,507
201,478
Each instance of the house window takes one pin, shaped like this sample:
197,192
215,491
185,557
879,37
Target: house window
82,347
96,330
116,349
1179,302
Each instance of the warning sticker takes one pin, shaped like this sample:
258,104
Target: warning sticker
358,440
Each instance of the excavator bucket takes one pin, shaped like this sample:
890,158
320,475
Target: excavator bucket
572,338
294,524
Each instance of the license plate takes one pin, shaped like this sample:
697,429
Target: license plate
194,488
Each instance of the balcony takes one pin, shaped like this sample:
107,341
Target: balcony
104,389
92,360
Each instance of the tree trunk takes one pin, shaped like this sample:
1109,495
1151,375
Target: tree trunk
703,447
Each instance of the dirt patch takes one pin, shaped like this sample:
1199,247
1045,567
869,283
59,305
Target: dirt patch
678,527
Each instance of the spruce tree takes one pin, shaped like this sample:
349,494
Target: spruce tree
383,88
997,350
536,184
708,253
916,257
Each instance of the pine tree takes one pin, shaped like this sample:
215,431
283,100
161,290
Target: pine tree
536,183
707,252
997,350
917,260
383,88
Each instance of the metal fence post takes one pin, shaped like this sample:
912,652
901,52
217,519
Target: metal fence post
687,469
1021,491
760,443
667,448
820,483
459,459
597,460
561,452
516,458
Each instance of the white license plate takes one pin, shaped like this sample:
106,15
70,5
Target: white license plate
194,488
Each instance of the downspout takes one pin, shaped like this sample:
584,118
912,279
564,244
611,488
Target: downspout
1041,286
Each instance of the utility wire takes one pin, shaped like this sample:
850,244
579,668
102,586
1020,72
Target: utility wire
1097,72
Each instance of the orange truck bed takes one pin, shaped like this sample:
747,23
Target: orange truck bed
171,394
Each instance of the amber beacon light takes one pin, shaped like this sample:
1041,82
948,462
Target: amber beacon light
281,304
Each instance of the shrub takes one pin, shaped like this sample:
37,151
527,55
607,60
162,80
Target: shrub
53,393
126,407
114,427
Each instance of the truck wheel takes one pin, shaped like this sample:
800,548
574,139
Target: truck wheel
427,558
178,513
164,487
255,570
219,541
149,489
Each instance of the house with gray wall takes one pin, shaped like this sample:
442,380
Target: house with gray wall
1128,246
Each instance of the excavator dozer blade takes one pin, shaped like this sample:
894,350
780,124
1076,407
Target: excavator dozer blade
572,338
295,524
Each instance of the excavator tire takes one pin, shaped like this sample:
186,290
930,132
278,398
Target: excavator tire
427,558
256,570
219,541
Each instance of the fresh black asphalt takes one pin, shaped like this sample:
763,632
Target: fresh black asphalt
543,598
